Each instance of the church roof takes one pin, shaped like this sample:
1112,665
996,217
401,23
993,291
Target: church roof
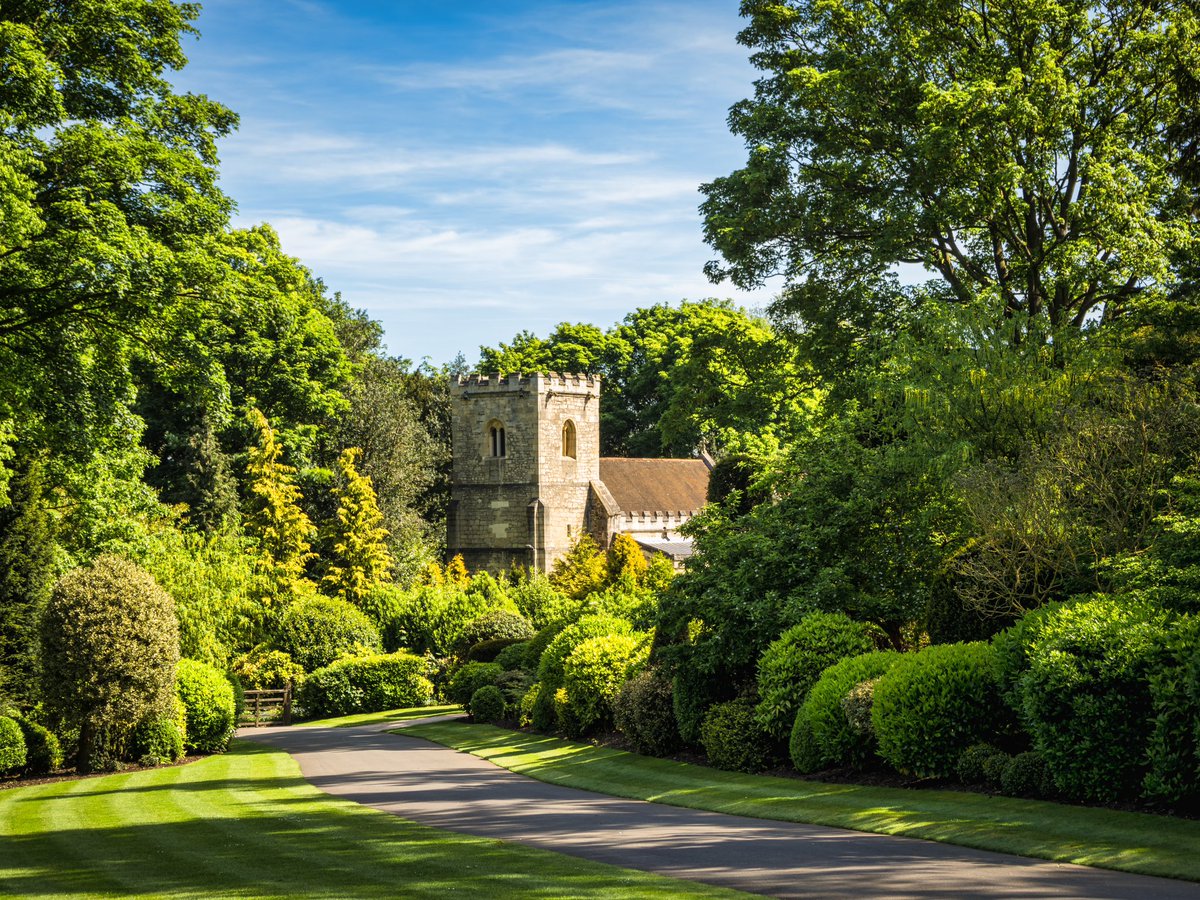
656,485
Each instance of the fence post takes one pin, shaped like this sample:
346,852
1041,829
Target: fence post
287,701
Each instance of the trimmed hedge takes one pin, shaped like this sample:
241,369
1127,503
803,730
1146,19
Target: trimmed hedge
470,678
320,630
823,735
594,673
933,705
487,651
12,746
1026,775
645,714
494,625
515,656
366,684
1174,747
550,668
733,739
158,740
487,704
43,750
208,699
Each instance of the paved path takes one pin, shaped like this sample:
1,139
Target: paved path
436,786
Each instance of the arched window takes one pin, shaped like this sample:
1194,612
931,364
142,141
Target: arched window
568,439
496,440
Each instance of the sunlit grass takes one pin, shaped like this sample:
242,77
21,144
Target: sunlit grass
246,824
1133,842
391,715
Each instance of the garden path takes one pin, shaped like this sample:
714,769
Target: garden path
437,786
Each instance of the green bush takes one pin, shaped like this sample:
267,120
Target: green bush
693,693
823,735
550,667
487,651
514,685
158,740
1174,746
487,704
515,656
43,751
540,603
1086,695
733,739
856,706
208,698
320,630
110,643
645,715
542,714
933,705
1010,652
263,669
994,766
594,673
366,684
794,661
494,625
470,678
1026,775
12,746
969,767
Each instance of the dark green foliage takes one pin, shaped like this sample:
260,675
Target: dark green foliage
795,660
494,625
693,691
43,751
542,715
593,675
1174,749
366,684
994,766
12,746
733,739
208,698
514,684
735,472
949,620
1010,651
317,631
1026,775
488,651
1086,695
822,735
157,740
470,678
487,704
932,705
110,643
645,714
969,767
515,656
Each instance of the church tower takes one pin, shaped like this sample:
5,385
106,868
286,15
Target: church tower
526,451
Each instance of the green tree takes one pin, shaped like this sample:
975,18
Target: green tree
360,555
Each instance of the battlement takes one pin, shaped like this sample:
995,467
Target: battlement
535,381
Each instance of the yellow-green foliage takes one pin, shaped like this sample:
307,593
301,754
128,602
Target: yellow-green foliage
208,700
594,673
318,631
264,669
361,558
626,560
456,573
581,570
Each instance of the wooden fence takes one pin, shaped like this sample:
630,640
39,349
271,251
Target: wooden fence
273,707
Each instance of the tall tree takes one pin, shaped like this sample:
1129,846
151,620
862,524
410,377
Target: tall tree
359,540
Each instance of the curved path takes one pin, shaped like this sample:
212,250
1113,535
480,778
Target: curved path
437,786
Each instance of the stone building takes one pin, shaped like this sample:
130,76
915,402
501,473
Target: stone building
528,478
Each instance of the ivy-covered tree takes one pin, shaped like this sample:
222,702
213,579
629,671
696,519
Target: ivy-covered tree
357,537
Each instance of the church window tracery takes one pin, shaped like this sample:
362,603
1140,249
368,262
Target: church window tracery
568,439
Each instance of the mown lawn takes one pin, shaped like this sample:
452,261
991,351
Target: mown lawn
246,824
391,715
1133,842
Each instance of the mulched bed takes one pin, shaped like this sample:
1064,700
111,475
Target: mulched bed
16,781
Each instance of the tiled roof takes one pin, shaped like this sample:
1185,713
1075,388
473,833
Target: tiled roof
656,485
672,549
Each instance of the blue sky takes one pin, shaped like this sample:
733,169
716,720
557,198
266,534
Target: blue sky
465,170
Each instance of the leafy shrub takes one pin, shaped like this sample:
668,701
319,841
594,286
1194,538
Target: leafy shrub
645,714
733,739
969,767
366,684
320,630
158,740
514,656
1174,746
43,751
856,706
1010,652
110,643
693,692
822,734
550,668
794,661
263,669
208,699
513,685
542,714
538,601
432,618
470,678
564,715
595,672
497,623
487,651
932,705
487,704
12,745
1086,695
994,766
1026,775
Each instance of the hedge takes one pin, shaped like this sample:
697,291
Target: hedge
320,630
366,684
208,699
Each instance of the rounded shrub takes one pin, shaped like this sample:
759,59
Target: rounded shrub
733,739
366,684
550,667
795,660
12,746
932,705
514,685
1026,775
263,669
110,643
208,699
1174,749
487,704
969,767
320,630
43,750
470,678
158,740
542,714
594,673
994,766
497,624
857,706
645,715
823,735
514,656
487,651
1086,694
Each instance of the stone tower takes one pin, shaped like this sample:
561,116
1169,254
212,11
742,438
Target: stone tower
526,451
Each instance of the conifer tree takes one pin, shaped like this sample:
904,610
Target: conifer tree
626,561
581,570
456,572
359,540
282,531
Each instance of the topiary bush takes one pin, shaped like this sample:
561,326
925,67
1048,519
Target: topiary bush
158,740
487,704
1086,694
208,700
487,651
43,751
822,734
594,673
930,706
1026,775
969,767
320,630
733,739
494,625
795,660
1173,752
109,643
994,766
366,684
514,656
12,746
470,678
645,715
263,669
